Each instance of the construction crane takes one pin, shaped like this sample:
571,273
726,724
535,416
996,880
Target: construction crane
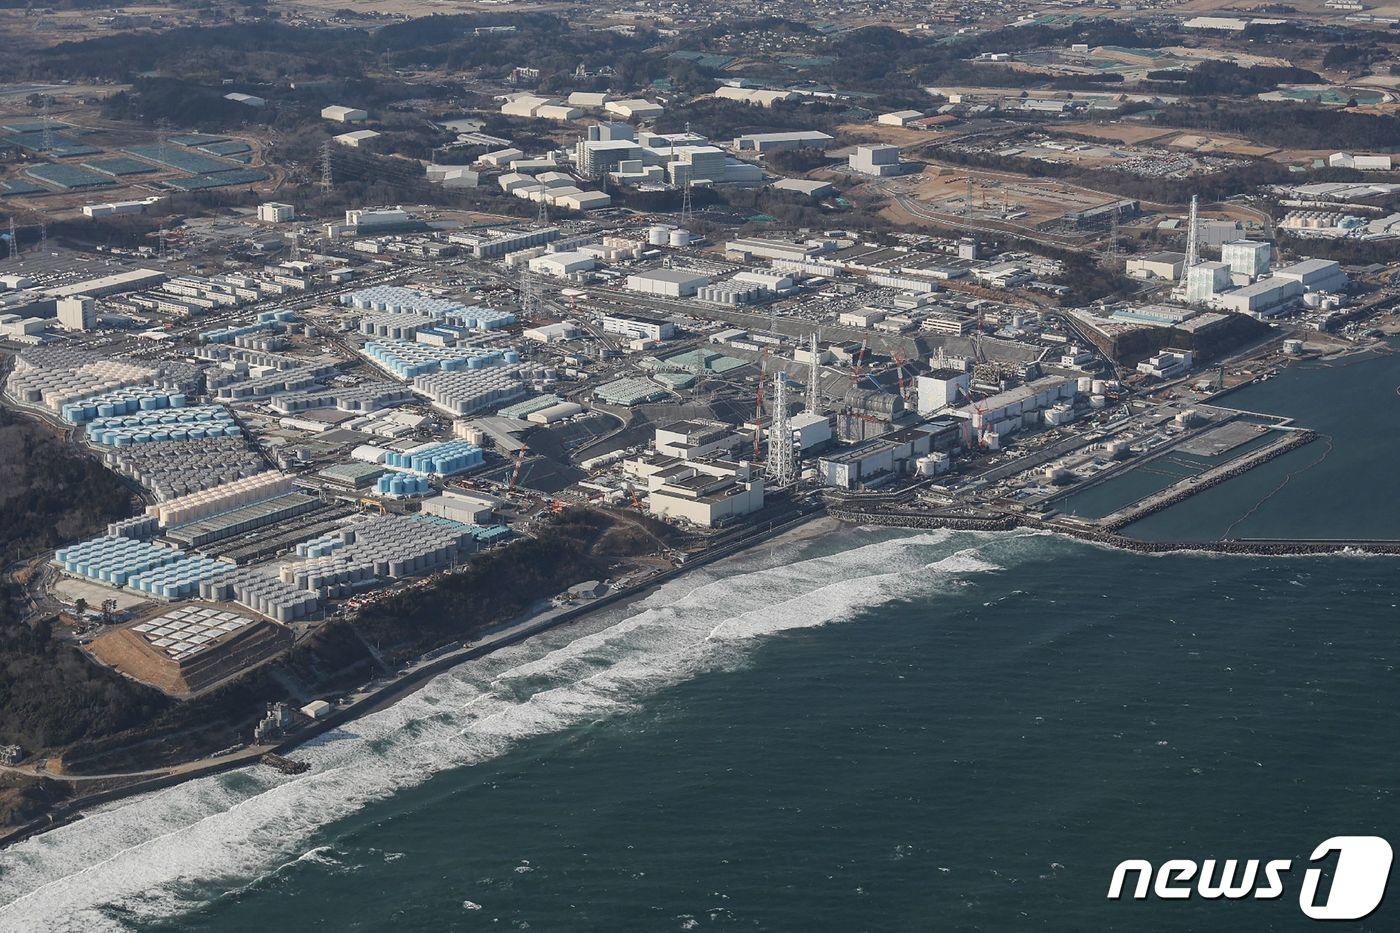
758,405
515,471
857,362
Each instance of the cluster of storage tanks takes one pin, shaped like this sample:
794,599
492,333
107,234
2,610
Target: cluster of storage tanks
464,393
261,593
266,321
389,546
668,235
123,401
221,498
478,317
397,299
54,387
402,484
325,544
179,579
176,468
442,458
408,360
113,560
138,527
191,424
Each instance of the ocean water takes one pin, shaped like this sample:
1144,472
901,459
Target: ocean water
1342,485
867,730
863,729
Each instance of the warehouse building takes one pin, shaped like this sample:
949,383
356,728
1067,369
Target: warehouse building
460,505
763,143
341,114
669,283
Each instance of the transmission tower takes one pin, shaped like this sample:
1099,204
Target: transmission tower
814,377
529,294
327,175
685,202
967,198
1113,234
14,239
782,458
543,217
48,127
1193,248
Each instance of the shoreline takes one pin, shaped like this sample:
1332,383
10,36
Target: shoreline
788,529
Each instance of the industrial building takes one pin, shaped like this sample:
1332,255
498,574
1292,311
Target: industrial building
942,388
669,283
707,493
77,313
757,97
695,440
1162,265
879,160
460,505
1262,298
1015,408
898,118
1315,275
763,143
638,328
1167,364
273,212
357,138
1247,257
341,114
1205,280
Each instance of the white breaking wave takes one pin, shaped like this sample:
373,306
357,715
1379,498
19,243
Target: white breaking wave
158,855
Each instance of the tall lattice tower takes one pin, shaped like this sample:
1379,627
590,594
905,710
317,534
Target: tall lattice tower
1193,246
327,174
14,238
685,202
814,377
542,217
782,457
48,126
529,294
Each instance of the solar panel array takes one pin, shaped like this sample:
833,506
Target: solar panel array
245,176
119,166
68,177
181,159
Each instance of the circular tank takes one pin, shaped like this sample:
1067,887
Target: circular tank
680,238
659,234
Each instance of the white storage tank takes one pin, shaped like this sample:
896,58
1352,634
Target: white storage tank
1085,384
680,238
659,234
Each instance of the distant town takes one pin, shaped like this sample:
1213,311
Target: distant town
366,342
